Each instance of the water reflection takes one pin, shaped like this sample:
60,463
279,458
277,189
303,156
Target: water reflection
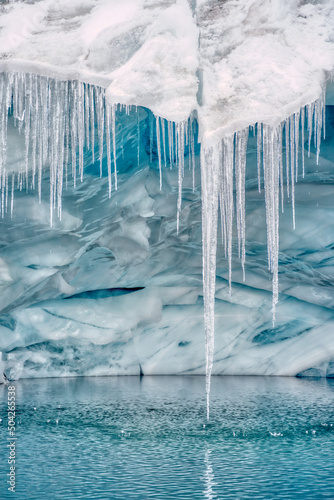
209,477
146,438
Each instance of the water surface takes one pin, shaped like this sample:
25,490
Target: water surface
125,438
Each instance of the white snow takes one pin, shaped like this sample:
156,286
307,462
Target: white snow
261,60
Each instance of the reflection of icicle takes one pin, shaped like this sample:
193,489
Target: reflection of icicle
209,478
210,161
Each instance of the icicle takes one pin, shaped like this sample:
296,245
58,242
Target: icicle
170,142
113,127
271,188
34,115
210,161
138,140
18,99
164,140
92,120
280,161
122,147
287,154
108,132
6,194
292,166
157,128
323,105
12,197
309,112
192,150
319,116
3,123
296,120
27,125
61,145
180,161
151,137
87,114
81,127
74,122
226,199
302,120
99,102
258,155
240,177
3,189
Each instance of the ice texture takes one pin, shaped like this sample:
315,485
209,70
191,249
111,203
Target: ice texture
115,285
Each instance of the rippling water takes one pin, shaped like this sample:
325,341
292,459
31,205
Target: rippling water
130,438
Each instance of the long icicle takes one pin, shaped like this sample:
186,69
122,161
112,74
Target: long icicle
240,177
210,161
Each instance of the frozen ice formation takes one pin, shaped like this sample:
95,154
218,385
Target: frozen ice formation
98,101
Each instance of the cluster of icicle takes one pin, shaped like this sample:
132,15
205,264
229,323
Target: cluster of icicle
61,121
223,170
171,140
58,120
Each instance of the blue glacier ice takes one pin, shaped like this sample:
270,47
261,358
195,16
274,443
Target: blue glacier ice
149,196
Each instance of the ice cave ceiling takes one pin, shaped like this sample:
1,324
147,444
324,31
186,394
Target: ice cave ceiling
193,105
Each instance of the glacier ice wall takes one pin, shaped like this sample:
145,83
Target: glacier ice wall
114,285
103,293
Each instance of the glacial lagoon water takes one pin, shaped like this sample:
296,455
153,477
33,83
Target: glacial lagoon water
125,438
